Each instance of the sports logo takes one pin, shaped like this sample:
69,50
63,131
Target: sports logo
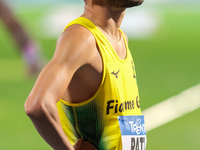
134,74
137,127
115,74
133,132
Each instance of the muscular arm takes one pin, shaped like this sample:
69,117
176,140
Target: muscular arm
71,53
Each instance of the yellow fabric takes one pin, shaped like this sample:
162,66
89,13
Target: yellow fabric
116,96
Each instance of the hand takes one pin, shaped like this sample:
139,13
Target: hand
83,145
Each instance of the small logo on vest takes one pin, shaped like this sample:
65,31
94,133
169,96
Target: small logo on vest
134,75
115,74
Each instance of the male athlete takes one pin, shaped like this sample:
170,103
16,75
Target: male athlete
87,96
25,44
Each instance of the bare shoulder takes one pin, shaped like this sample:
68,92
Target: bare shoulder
78,38
76,45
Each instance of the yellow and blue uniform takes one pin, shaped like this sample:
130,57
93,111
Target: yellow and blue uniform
97,119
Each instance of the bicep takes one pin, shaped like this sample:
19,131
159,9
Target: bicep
50,85
71,53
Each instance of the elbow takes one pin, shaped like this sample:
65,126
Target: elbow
29,110
33,109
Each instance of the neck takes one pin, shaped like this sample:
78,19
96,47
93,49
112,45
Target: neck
109,18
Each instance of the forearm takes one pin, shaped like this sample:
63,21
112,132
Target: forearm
49,127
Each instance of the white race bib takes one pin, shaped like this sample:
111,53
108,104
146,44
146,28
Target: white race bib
133,132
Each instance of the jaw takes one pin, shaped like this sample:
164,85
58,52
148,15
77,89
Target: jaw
124,3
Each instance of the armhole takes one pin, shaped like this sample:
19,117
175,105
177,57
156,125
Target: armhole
103,67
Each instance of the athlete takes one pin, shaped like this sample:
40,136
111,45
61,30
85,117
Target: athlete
86,97
25,44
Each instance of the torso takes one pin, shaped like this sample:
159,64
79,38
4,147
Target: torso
87,78
101,91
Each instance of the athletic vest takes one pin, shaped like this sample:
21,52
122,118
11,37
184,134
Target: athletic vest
107,118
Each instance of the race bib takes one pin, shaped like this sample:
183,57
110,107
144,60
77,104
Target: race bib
133,132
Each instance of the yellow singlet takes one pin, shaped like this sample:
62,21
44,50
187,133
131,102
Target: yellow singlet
98,119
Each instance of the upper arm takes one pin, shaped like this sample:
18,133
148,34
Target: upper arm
74,48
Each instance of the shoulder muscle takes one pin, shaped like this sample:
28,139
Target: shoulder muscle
75,46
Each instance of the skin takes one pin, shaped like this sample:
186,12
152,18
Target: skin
74,73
